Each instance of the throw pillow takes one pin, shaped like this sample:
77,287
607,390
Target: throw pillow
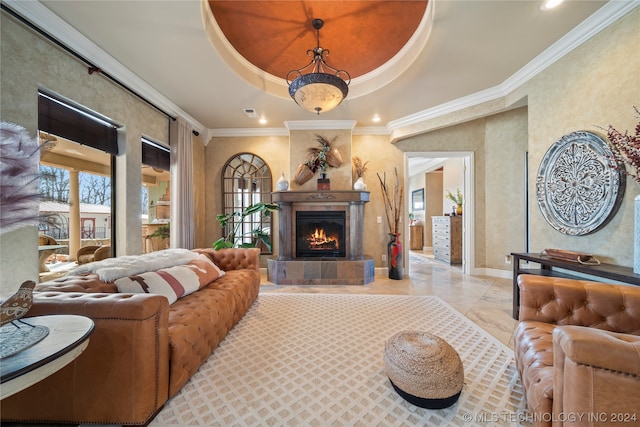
173,282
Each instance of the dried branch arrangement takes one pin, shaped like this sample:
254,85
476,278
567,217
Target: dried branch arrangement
626,149
359,166
392,201
326,155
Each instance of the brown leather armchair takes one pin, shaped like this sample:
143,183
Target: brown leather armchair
92,253
577,350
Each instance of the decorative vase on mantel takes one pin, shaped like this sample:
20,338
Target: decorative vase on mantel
636,236
282,184
359,184
394,255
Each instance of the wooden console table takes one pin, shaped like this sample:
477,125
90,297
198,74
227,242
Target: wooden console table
547,263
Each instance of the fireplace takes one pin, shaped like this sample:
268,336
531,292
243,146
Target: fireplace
320,239
320,234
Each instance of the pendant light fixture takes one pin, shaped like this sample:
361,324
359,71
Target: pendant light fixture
318,90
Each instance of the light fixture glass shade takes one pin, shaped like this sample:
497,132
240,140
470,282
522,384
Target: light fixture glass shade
318,92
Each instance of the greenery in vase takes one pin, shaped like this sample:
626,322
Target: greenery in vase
457,198
626,149
234,240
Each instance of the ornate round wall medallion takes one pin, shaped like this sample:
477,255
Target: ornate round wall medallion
577,188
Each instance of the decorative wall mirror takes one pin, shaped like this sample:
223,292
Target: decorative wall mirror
246,180
417,200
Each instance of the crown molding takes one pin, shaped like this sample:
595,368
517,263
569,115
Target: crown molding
372,130
52,24
601,19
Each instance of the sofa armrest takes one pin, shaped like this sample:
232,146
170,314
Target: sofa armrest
233,258
597,374
579,302
122,376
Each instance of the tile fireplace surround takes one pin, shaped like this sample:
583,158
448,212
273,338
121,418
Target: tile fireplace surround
354,268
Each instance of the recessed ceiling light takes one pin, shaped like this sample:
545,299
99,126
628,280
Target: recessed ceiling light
550,4
376,118
263,121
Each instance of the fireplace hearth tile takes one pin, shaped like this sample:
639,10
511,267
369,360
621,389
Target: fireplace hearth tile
312,270
329,270
324,271
293,270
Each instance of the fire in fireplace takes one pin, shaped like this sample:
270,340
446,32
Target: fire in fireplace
320,234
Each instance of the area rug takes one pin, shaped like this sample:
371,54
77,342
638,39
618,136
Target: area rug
317,360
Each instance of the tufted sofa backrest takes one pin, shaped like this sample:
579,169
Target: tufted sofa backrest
580,302
233,258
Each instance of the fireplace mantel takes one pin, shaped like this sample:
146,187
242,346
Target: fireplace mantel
320,196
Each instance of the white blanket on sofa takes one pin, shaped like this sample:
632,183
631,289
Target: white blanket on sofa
111,269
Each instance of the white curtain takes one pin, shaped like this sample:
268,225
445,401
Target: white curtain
182,211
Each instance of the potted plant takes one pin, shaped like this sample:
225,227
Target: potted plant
457,199
412,218
234,240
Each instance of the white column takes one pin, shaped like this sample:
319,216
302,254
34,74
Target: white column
74,214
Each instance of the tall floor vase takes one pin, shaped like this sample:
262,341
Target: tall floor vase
636,237
394,255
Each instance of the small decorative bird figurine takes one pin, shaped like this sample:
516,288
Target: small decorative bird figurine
18,304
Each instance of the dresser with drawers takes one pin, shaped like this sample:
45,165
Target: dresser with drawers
447,238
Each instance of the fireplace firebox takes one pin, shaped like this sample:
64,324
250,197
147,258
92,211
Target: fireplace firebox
320,234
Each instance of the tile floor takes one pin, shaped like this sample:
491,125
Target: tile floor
483,299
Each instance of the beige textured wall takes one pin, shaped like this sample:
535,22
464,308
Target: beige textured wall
382,157
29,61
505,150
596,84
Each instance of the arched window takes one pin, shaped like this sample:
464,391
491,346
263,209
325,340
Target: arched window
246,180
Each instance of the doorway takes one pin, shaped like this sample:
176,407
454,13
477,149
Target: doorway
425,162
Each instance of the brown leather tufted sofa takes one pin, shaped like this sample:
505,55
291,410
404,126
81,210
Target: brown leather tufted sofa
142,350
577,350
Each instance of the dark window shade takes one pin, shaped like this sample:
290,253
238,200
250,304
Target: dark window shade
58,118
155,155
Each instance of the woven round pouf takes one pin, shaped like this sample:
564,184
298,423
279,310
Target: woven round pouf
424,369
